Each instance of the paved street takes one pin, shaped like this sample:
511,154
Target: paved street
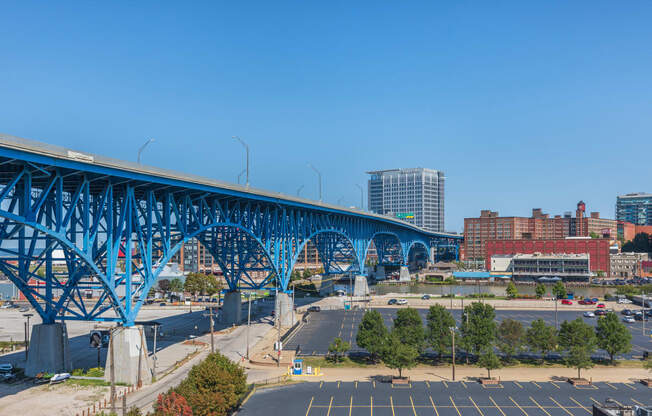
322,327
440,399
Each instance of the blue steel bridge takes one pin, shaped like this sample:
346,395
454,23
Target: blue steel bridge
72,221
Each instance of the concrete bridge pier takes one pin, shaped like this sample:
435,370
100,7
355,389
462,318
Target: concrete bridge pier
360,286
283,308
232,308
130,353
48,350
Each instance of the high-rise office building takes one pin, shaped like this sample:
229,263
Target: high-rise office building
634,208
413,195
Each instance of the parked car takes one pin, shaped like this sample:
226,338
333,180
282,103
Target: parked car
595,300
624,301
314,309
639,316
392,302
600,312
586,302
161,304
589,314
629,319
600,305
627,312
425,297
59,378
566,302
24,309
6,368
402,302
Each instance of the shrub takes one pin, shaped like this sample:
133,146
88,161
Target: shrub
171,404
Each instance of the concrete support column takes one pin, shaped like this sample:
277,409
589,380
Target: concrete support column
48,350
284,308
380,273
232,308
130,352
360,287
404,274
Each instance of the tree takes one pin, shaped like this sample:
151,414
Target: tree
194,284
540,290
164,285
338,348
578,339
151,293
559,290
171,404
307,273
212,285
541,338
511,290
440,321
408,327
489,360
372,334
594,235
510,337
478,327
640,244
398,355
613,336
176,285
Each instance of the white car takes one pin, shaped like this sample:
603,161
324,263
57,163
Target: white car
624,301
589,314
629,320
401,302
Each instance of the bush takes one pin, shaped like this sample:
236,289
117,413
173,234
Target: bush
171,404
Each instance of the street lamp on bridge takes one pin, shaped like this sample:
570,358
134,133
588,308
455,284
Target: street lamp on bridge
361,196
299,190
319,177
143,148
246,146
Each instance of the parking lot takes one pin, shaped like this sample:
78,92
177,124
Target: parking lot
315,336
441,399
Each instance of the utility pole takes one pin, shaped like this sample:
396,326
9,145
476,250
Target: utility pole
112,373
155,331
556,326
351,291
319,177
643,311
452,328
278,330
27,315
248,322
210,312
292,304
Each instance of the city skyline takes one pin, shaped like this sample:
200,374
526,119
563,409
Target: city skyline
516,114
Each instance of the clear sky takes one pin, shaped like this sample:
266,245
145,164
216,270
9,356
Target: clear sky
522,104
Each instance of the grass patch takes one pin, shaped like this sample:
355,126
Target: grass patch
344,362
82,382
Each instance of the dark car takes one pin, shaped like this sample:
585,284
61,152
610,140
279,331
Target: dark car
586,302
425,297
314,309
161,304
639,316
627,312
600,312
392,302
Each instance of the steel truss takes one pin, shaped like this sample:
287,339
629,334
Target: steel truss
69,227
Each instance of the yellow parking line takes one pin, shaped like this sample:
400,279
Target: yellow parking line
351,406
578,403
630,386
391,402
555,384
612,386
371,405
535,402
356,384
455,406
476,406
618,403
433,406
516,382
497,407
595,401
445,384
560,406
310,405
338,384
374,383
536,384
637,402
427,384
464,384
518,405
413,409
329,407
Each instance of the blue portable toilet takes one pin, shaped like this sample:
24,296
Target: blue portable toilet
297,367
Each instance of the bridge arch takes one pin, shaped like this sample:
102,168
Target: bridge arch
314,236
380,238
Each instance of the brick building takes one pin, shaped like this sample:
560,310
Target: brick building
596,248
627,230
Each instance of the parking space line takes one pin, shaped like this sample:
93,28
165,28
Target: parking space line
445,384
356,384
310,405
464,384
351,405
637,402
630,386
539,406
536,384
455,406
555,384
329,407
476,406
595,401
338,384
371,405
612,386
560,406
321,383
617,402
496,406
433,406
412,403
516,382
580,405
518,405
391,402
427,384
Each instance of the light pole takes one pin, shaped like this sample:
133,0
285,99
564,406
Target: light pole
248,321
556,327
27,315
339,201
299,189
143,148
246,146
452,328
361,196
643,311
319,177
240,175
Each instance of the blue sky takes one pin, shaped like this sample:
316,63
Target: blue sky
521,104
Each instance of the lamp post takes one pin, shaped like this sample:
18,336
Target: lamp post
452,328
246,146
143,148
240,175
361,196
319,177
299,189
27,315
248,320
339,201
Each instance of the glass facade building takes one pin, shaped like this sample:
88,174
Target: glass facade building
634,208
414,195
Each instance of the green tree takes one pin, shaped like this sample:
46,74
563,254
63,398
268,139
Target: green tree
440,321
338,348
578,339
511,290
489,360
307,273
559,290
478,327
372,334
594,235
164,285
151,293
541,338
398,355
510,337
540,290
408,327
613,336
176,285
194,284
212,285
